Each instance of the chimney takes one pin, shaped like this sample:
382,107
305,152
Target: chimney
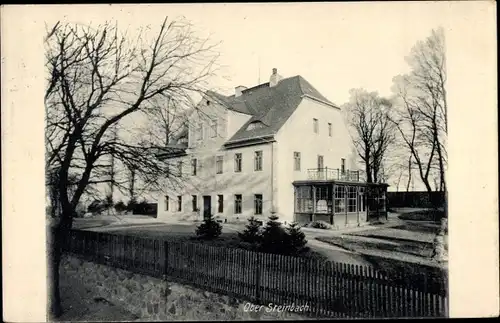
238,90
275,78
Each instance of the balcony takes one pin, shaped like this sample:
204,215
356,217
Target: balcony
332,174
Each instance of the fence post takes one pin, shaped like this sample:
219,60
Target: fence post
165,265
257,263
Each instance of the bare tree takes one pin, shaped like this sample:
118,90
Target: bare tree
100,79
370,128
167,118
421,117
428,78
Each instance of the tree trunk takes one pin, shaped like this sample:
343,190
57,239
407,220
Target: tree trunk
441,168
399,181
54,309
368,168
57,237
409,174
132,185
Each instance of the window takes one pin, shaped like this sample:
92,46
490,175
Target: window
258,160
255,125
258,203
193,166
213,128
342,165
296,161
329,129
304,199
179,203
199,131
195,203
179,168
237,162
361,200
219,163
339,199
166,202
352,194
320,162
381,200
323,199
315,125
220,203
237,203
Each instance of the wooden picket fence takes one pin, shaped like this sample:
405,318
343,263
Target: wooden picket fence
328,289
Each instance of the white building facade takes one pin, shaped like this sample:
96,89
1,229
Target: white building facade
241,155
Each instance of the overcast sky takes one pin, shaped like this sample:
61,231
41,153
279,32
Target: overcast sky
335,46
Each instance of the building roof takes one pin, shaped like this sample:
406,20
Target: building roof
271,106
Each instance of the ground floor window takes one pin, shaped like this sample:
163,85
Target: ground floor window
166,202
361,199
352,196
304,200
220,202
258,203
323,199
340,198
179,203
237,203
195,203
381,201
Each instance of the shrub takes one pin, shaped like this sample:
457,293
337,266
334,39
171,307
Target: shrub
320,225
274,237
296,239
423,215
251,234
96,206
131,204
209,229
108,202
120,206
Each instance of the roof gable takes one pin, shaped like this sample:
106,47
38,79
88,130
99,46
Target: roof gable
270,105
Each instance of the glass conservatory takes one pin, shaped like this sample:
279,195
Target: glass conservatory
339,201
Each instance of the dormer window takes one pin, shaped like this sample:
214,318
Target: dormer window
255,125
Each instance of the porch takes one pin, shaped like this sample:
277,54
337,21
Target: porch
340,203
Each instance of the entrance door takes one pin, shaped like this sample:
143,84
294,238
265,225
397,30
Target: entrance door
207,206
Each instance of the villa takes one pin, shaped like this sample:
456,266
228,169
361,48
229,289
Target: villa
279,147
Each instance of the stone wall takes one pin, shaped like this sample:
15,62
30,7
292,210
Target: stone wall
155,299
